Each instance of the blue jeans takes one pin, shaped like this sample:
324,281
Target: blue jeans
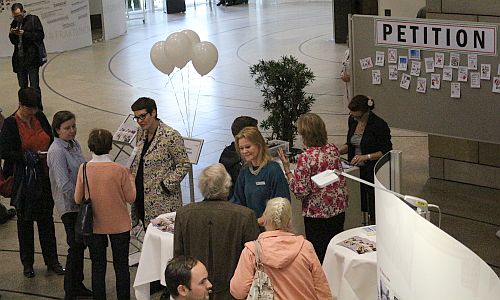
119,246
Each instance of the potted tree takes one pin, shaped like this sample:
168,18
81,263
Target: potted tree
282,84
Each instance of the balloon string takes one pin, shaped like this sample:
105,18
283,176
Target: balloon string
196,107
185,104
176,99
190,134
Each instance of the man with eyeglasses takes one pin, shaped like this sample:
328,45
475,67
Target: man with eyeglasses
26,34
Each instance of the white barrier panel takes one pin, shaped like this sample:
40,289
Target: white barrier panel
418,261
113,18
66,24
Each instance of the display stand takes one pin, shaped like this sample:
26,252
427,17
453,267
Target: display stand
124,138
193,149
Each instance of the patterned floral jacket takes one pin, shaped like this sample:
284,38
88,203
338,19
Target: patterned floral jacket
165,165
319,202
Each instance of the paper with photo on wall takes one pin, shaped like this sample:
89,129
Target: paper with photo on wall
393,72
392,56
415,68
366,63
376,77
472,61
429,64
496,85
485,71
439,60
447,73
462,74
435,81
405,81
454,60
421,85
403,63
475,80
379,58
414,54
455,90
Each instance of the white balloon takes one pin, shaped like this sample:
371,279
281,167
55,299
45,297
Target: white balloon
159,59
178,49
205,57
192,36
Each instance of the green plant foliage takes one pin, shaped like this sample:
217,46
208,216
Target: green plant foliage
282,84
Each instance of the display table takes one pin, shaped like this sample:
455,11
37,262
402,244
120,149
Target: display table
157,250
351,275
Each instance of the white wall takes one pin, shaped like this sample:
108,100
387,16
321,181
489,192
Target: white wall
400,8
95,7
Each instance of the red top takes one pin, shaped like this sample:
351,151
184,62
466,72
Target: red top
319,202
33,137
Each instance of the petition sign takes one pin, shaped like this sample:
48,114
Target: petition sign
473,38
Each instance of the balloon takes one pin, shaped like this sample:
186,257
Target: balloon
192,36
205,57
178,49
159,59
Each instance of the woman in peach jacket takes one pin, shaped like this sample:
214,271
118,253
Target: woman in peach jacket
289,260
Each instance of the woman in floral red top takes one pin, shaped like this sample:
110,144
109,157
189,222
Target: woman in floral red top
323,208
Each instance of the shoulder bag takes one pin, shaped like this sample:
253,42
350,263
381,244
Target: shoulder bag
6,184
262,288
84,220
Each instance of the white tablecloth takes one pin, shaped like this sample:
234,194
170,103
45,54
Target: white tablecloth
157,250
351,275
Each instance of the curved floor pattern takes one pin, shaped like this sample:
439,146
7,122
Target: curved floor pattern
99,83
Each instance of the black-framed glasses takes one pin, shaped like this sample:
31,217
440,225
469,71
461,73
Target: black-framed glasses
140,117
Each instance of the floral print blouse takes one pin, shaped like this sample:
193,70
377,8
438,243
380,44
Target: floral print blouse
319,202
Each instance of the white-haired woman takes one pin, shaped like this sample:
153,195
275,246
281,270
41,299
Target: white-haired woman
215,230
288,259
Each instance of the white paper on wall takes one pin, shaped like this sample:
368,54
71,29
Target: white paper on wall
462,74
366,63
496,85
439,60
455,90
376,77
405,81
392,56
447,73
415,68
472,61
429,65
475,80
485,71
403,63
393,72
414,54
421,85
435,81
454,60
379,58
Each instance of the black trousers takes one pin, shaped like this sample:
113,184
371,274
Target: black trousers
367,193
73,278
119,246
29,75
46,235
320,231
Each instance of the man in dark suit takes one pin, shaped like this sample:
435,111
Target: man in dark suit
215,230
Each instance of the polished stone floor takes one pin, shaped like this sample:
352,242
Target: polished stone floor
99,84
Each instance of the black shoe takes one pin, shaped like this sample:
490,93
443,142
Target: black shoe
56,268
220,3
83,292
28,272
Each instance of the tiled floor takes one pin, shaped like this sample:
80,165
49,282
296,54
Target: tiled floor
99,84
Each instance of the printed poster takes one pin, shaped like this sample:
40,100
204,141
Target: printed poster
475,80
393,72
462,74
439,60
429,65
415,68
379,58
485,71
403,63
454,60
376,77
447,73
455,90
472,61
405,81
392,56
366,63
435,81
421,85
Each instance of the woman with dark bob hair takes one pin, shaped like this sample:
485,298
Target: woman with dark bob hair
110,188
368,139
24,140
64,159
323,208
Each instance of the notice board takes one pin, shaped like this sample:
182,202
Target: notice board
415,99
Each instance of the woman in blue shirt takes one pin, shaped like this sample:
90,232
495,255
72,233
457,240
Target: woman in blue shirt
261,179
64,159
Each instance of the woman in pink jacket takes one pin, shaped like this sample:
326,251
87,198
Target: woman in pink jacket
289,260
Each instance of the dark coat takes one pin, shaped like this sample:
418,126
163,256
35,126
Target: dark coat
32,38
231,160
12,153
215,232
376,137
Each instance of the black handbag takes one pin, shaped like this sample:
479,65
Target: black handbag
84,220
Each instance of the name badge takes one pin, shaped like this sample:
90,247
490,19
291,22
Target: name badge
260,183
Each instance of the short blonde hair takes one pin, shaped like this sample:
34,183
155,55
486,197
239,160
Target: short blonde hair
278,214
312,129
255,137
214,182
